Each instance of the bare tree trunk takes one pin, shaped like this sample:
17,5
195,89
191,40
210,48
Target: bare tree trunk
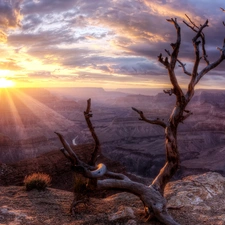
152,199
172,160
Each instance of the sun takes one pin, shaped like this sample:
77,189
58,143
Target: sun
4,83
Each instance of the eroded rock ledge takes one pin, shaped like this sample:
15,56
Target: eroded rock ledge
195,200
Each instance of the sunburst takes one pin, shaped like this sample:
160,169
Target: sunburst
5,83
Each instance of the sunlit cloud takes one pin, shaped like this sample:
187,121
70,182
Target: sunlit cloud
10,64
51,42
9,17
10,13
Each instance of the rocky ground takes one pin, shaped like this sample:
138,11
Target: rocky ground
194,200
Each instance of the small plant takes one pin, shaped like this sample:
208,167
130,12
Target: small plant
37,181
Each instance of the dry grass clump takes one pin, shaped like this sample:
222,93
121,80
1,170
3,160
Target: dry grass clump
39,181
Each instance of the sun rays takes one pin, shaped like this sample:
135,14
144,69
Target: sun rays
24,117
41,112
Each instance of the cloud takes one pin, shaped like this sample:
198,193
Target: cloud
10,64
48,6
42,74
10,13
116,39
65,57
9,16
3,37
31,22
42,38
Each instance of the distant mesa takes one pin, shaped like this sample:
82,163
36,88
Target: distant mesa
141,91
79,92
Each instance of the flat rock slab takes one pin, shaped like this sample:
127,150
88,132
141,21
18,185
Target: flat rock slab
202,196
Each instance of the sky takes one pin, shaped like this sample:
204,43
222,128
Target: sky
103,43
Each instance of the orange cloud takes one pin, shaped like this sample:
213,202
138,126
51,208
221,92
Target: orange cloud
9,65
3,37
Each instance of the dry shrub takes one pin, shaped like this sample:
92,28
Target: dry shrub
39,181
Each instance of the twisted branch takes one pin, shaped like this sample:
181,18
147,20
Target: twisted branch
142,117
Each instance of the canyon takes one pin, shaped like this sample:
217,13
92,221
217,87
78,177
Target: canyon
29,118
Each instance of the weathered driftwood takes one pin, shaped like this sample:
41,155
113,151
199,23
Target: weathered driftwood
152,196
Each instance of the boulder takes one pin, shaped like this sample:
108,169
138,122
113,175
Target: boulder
193,190
122,213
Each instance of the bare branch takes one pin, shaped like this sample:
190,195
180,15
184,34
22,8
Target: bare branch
196,42
176,45
67,151
223,11
97,148
180,64
66,154
71,155
151,198
164,62
142,117
170,91
119,176
194,25
168,52
173,59
186,116
204,50
197,59
200,34
212,65
98,172
183,67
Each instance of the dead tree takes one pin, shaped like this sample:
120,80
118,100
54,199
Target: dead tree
152,196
